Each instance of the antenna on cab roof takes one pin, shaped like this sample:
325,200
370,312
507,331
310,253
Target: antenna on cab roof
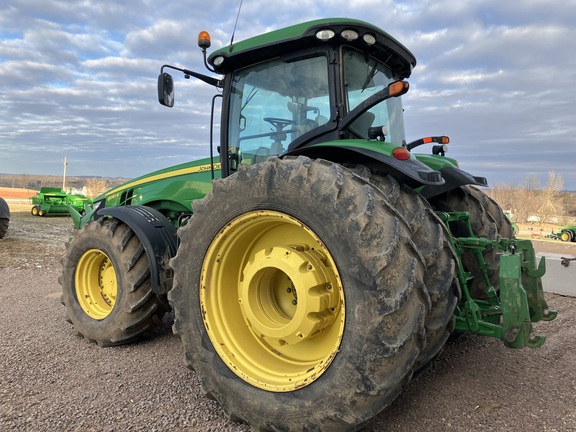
235,24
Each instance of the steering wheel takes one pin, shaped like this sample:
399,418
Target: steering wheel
279,123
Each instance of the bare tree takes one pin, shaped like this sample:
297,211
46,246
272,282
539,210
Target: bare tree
505,196
96,186
550,204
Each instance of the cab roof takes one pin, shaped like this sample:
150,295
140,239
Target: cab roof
301,36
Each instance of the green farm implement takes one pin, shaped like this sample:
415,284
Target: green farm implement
52,200
317,261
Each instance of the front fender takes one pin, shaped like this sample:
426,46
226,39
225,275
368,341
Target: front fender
157,235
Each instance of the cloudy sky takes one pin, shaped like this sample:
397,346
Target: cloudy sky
78,80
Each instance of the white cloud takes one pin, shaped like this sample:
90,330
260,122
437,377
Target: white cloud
78,79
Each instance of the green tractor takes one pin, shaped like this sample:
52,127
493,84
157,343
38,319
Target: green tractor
317,263
566,233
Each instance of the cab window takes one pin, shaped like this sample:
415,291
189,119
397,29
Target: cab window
275,102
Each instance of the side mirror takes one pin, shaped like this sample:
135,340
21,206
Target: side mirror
166,89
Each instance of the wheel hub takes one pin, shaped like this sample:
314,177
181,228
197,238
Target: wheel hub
272,301
287,294
108,282
96,284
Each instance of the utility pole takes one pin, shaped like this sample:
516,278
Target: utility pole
64,176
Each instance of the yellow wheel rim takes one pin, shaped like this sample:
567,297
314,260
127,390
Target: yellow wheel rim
272,301
565,236
96,284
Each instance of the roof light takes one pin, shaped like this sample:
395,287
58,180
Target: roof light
401,153
350,35
369,39
204,40
325,34
218,61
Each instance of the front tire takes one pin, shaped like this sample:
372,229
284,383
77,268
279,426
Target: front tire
106,285
299,296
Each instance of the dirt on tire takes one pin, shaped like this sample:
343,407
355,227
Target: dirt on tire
51,379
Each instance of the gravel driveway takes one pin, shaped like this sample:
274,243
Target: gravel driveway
52,380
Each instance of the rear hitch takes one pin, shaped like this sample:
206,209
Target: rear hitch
506,314
522,297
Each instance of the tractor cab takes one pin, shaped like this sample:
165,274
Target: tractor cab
282,105
305,85
325,89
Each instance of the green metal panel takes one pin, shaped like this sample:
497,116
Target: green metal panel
381,147
170,190
436,162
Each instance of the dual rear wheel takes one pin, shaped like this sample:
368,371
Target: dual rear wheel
302,297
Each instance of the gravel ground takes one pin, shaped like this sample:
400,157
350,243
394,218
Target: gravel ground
52,380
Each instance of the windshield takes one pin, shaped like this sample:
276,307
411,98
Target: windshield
275,102
362,78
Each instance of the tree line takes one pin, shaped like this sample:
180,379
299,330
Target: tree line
534,202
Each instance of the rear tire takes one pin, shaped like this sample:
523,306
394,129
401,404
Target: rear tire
4,227
242,247
106,285
487,220
566,236
431,237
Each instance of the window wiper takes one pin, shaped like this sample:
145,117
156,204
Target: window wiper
249,98
369,77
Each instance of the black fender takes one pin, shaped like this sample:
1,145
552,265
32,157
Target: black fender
411,172
4,209
454,178
157,235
